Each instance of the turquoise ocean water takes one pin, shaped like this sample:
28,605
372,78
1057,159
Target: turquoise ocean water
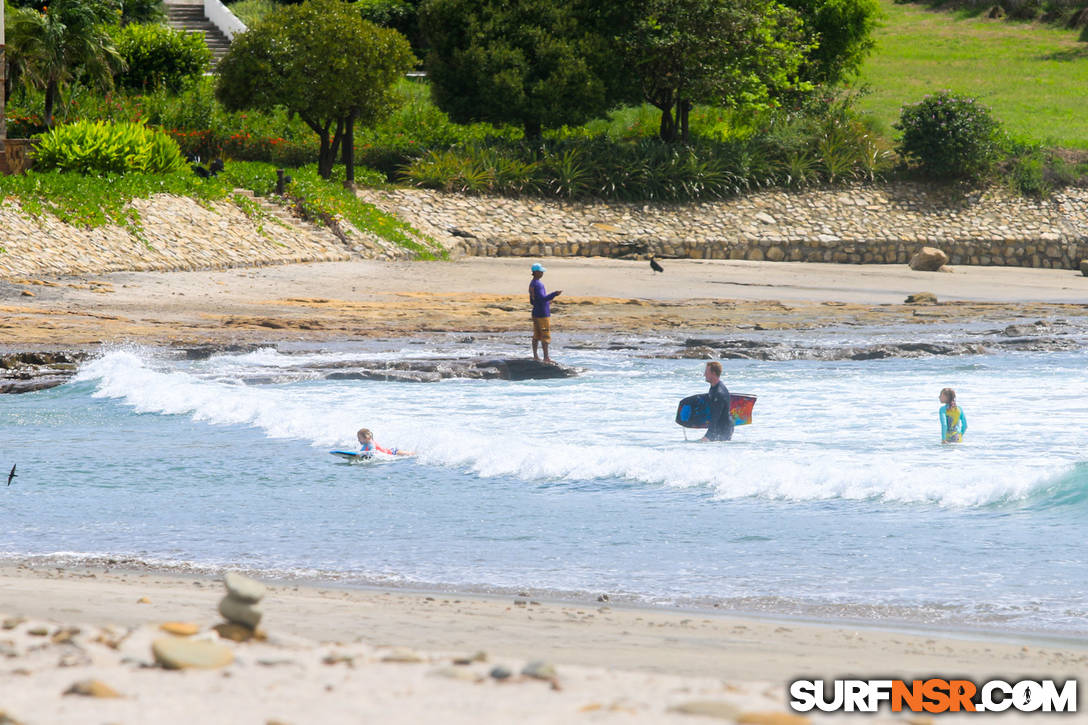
839,502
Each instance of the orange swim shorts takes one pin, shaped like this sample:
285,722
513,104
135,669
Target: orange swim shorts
542,330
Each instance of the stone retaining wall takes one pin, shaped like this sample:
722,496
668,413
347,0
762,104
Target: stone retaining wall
177,234
884,223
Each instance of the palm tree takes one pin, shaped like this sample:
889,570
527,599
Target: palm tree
65,41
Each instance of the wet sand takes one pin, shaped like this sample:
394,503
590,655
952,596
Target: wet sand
366,299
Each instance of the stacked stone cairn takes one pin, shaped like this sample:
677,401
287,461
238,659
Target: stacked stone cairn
240,608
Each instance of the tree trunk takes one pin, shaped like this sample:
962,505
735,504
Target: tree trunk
349,152
50,99
683,111
337,138
667,129
663,101
330,150
325,156
533,130
3,86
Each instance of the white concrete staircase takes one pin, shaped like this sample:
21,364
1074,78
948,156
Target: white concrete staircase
189,16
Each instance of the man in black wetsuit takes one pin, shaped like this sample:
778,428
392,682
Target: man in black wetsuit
721,420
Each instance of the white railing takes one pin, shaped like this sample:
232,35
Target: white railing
221,17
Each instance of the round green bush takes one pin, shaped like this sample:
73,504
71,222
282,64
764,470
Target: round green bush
157,56
950,136
99,147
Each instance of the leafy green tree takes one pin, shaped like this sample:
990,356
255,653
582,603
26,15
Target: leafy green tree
142,11
842,33
400,15
737,53
534,63
319,60
66,41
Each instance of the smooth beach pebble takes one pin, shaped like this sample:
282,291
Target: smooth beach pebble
240,612
13,622
92,688
175,653
540,670
500,673
479,656
64,635
771,718
238,632
707,708
143,600
6,719
243,588
181,629
456,673
406,656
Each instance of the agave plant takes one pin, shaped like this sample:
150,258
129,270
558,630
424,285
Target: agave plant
800,168
473,175
873,158
837,151
432,170
570,178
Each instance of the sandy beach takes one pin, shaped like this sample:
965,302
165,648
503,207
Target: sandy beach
366,299
336,655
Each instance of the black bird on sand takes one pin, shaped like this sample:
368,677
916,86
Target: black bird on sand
12,474
655,266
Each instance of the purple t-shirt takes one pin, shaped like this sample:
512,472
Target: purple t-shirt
540,300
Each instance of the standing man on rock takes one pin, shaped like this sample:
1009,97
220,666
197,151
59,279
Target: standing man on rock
542,312
721,418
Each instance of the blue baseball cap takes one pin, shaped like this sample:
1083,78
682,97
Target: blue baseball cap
537,267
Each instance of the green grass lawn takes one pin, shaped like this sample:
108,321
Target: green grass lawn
1034,77
252,12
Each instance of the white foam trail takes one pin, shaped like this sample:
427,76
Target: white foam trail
878,454
125,375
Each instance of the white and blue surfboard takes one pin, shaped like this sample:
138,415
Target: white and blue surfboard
355,456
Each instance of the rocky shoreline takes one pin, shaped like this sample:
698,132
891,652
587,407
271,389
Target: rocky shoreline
178,233
861,224
27,371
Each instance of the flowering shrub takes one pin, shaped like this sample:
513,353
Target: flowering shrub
243,146
950,136
24,125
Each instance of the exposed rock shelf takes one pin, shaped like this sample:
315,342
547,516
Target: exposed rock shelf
426,371
24,372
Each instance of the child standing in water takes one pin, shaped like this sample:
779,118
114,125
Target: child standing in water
953,419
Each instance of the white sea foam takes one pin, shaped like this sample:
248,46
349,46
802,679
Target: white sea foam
851,432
